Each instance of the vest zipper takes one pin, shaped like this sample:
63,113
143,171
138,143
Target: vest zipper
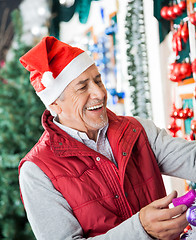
111,176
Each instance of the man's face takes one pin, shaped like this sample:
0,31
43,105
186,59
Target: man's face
84,102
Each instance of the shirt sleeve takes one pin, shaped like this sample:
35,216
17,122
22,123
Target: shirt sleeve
175,156
51,217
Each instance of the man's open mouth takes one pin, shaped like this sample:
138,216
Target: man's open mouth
95,107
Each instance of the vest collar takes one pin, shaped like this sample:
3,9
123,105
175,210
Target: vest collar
62,144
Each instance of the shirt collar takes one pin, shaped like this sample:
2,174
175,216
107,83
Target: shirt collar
80,136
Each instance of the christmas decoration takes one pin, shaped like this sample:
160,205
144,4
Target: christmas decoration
20,113
191,215
184,33
64,12
179,71
180,34
189,199
192,18
179,113
194,66
173,127
173,11
137,60
182,73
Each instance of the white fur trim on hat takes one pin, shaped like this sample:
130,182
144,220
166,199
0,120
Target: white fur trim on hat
47,79
77,66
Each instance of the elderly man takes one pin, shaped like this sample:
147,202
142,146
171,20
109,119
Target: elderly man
93,174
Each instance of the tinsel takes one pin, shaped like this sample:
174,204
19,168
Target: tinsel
137,60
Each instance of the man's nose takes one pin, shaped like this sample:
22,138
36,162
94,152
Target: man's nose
96,91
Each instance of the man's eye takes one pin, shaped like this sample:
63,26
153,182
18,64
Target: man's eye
82,88
99,82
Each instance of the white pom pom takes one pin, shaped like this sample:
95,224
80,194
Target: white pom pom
47,79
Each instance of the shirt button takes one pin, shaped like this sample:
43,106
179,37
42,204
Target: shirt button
134,130
98,159
116,196
124,154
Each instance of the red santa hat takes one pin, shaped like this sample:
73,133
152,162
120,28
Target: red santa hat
53,65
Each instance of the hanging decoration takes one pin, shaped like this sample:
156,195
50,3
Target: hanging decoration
63,11
182,18
181,33
192,18
173,10
137,60
179,71
164,25
174,128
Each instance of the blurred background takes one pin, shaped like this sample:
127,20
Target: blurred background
145,51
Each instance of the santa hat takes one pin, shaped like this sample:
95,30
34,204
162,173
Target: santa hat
53,65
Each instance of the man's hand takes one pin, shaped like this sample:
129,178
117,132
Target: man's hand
161,222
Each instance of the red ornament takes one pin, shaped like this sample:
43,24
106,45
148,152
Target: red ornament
184,113
190,113
173,78
170,13
185,70
172,66
177,113
193,126
193,66
173,128
174,74
187,229
182,5
173,114
164,12
184,32
177,70
177,10
192,136
192,18
176,40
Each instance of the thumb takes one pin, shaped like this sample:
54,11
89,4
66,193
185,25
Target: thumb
164,202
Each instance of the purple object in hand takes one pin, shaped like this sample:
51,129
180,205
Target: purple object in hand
191,215
187,199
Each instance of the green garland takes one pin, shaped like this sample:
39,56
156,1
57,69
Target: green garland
137,60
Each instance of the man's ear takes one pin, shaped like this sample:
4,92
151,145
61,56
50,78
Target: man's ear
55,107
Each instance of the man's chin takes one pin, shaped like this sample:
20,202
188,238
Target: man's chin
96,125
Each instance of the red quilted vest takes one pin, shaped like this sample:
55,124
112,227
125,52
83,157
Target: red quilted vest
100,194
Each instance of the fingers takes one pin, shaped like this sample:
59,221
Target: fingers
164,202
179,222
172,228
162,222
166,214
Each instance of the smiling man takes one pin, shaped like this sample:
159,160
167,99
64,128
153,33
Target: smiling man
93,174
84,103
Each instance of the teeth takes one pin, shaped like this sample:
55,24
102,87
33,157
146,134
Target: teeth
95,107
